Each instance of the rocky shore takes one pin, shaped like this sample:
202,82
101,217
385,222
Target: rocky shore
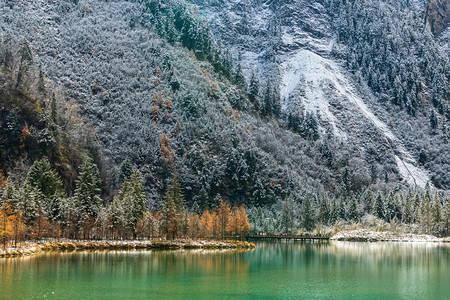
32,248
365,235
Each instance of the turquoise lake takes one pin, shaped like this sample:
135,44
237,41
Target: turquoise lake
331,270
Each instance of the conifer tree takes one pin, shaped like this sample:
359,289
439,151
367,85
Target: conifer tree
239,76
352,210
334,214
26,58
47,181
341,209
126,169
267,106
379,208
203,198
416,208
446,217
287,219
324,211
390,207
253,89
308,214
407,211
173,209
437,216
53,110
426,212
41,84
87,193
28,200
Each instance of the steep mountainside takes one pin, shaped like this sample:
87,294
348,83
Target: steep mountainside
352,64
163,92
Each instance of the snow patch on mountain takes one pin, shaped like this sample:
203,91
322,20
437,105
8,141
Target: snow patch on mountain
314,75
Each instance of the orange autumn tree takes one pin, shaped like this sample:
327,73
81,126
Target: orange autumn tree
3,226
224,215
215,224
15,227
167,154
243,225
194,225
233,222
206,224
238,224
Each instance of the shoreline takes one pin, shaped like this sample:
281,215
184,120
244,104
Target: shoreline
365,235
33,248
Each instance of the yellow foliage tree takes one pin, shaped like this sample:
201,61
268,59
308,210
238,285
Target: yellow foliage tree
243,225
15,227
224,215
206,224
194,225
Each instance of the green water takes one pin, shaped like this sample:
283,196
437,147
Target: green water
335,270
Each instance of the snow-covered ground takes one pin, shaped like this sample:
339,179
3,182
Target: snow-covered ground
365,235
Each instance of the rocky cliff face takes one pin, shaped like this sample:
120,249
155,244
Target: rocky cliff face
437,15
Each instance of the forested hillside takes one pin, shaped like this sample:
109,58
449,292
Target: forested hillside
147,86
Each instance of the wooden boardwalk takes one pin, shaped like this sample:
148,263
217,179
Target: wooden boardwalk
287,237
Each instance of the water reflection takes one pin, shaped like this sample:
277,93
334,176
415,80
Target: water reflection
274,270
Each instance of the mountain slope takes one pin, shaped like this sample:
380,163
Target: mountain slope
163,94
319,60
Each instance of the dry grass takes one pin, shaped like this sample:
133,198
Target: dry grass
32,248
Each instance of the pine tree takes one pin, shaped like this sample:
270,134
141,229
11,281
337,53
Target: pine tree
341,210
334,214
407,211
47,181
239,76
203,198
53,110
287,219
426,212
416,208
173,209
253,88
368,202
324,211
446,217
41,84
390,207
352,210
379,207
126,169
26,58
267,106
132,199
433,120
437,216
308,214
87,193
28,200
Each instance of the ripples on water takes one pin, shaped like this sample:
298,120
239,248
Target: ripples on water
273,271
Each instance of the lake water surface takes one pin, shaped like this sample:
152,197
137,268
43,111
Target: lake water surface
335,270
